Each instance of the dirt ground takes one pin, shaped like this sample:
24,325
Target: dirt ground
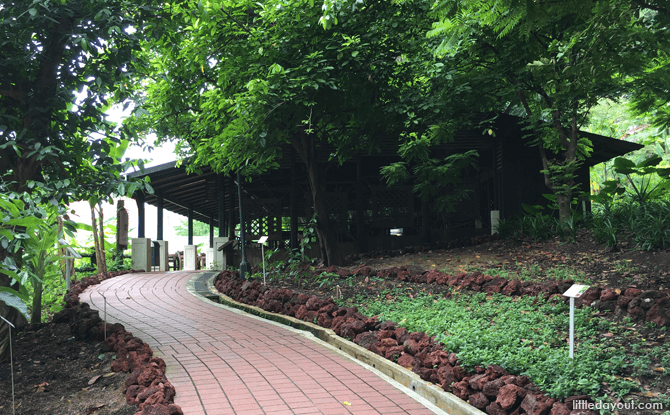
52,370
55,374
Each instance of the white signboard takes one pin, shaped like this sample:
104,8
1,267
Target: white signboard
576,291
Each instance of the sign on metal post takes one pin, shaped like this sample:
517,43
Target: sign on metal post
261,241
573,292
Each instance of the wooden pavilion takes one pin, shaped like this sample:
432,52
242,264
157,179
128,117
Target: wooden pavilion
368,215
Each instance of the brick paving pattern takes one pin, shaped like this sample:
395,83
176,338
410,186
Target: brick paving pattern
222,362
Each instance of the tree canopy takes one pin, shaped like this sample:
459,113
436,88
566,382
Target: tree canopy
549,63
238,81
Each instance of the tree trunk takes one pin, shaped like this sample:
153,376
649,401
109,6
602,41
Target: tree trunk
101,235
99,255
330,249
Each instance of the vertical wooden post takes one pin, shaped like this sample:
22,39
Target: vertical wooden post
211,232
190,224
231,212
140,215
361,237
293,208
221,192
159,219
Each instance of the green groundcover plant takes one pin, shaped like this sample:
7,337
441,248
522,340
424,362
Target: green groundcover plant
527,336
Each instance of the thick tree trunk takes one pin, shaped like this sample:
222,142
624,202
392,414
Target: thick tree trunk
330,248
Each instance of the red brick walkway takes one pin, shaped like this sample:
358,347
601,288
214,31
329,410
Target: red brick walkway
227,362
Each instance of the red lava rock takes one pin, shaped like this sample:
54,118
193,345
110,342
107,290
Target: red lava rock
401,334
388,342
366,338
533,406
313,303
392,353
154,410
462,390
491,389
477,382
479,401
328,309
522,381
411,347
301,313
512,287
608,294
388,325
337,323
459,372
311,316
426,373
495,409
131,394
148,375
591,295
324,320
146,393
495,371
636,313
385,334
509,396
632,292
659,313
175,409
623,301
157,398
441,357
559,409
406,360
131,379
372,323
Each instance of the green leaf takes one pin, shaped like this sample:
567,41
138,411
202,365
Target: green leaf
13,299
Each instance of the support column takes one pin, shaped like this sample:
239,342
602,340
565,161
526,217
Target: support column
140,216
211,232
221,193
231,212
292,207
361,237
190,224
159,219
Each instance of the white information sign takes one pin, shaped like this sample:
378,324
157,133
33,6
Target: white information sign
576,291
573,292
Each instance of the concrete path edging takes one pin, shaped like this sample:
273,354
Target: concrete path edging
439,400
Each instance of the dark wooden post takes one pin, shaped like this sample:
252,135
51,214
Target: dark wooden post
159,219
231,213
190,225
140,215
221,192
293,208
211,232
361,237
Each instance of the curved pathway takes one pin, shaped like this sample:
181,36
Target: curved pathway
223,361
